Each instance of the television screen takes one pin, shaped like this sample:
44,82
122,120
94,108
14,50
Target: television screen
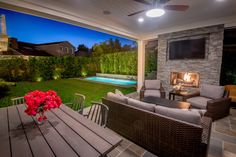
187,49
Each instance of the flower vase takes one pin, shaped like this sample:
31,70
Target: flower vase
40,118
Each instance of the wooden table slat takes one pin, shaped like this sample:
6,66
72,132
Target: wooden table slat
4,135
34,135
98,143
19,144
79,145
103,133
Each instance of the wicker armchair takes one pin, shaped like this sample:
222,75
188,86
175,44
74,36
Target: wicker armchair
152,88
212,98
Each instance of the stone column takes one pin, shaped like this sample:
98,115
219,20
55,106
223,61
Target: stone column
141,64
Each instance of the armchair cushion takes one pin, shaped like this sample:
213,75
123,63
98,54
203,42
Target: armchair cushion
142,105
116,97
151,92
152,84
198,102
212,91
183,115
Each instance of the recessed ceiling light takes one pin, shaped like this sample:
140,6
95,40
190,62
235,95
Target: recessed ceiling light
106,12
140,19
155,12
220,0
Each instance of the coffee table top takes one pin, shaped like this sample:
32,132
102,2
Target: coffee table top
166,102
182,92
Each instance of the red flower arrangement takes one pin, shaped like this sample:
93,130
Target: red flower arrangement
38,102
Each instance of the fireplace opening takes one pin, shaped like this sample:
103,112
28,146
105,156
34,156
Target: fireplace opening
186,79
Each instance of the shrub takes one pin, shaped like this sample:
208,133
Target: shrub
150,61
5,87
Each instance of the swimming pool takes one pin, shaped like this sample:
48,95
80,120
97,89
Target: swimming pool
112,81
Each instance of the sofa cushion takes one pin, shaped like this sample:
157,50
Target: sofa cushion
142,105
152,84
183,115
198,102
117,91
116,97
200,111
212,91
151,92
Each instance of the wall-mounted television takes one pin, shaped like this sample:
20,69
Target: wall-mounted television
187,48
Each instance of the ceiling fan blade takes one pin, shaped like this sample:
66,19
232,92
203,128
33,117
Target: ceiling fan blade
143,2
138,12
176,7
163,1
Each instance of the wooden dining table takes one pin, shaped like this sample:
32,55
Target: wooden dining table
65,133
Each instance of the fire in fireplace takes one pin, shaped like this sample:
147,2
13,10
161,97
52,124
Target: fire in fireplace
187,79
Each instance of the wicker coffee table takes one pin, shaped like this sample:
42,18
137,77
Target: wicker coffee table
166,102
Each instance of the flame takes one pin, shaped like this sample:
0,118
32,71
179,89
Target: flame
187,77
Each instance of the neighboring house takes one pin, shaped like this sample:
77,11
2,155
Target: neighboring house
63,48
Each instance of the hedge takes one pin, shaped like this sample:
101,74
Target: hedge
47,68
119,63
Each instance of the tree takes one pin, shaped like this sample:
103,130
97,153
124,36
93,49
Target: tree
110,46
82,47
126,48
117,45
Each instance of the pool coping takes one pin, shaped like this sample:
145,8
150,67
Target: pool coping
124,86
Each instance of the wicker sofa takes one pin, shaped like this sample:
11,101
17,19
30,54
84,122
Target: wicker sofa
159,134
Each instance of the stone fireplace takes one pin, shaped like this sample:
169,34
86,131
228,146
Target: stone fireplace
208,69
186,79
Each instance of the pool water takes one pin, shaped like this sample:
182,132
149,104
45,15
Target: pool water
112,81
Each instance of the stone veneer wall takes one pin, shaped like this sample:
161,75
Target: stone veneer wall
208,68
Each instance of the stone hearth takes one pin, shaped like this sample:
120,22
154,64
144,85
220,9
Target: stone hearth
208,68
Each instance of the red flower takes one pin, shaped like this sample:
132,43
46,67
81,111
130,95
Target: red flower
38,102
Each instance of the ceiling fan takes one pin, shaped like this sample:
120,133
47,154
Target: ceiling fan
158,7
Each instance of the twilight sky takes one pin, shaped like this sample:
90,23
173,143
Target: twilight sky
33,29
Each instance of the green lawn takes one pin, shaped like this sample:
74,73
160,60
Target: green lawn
65,89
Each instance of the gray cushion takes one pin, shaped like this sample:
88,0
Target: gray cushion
212,91
152,84
198,102
200,111
142,105
183,115
151,92
116,97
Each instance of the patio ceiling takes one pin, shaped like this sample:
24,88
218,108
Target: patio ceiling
89,13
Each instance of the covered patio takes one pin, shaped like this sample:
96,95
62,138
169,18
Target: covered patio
203,18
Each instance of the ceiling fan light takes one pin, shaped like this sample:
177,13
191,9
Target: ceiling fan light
155,12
